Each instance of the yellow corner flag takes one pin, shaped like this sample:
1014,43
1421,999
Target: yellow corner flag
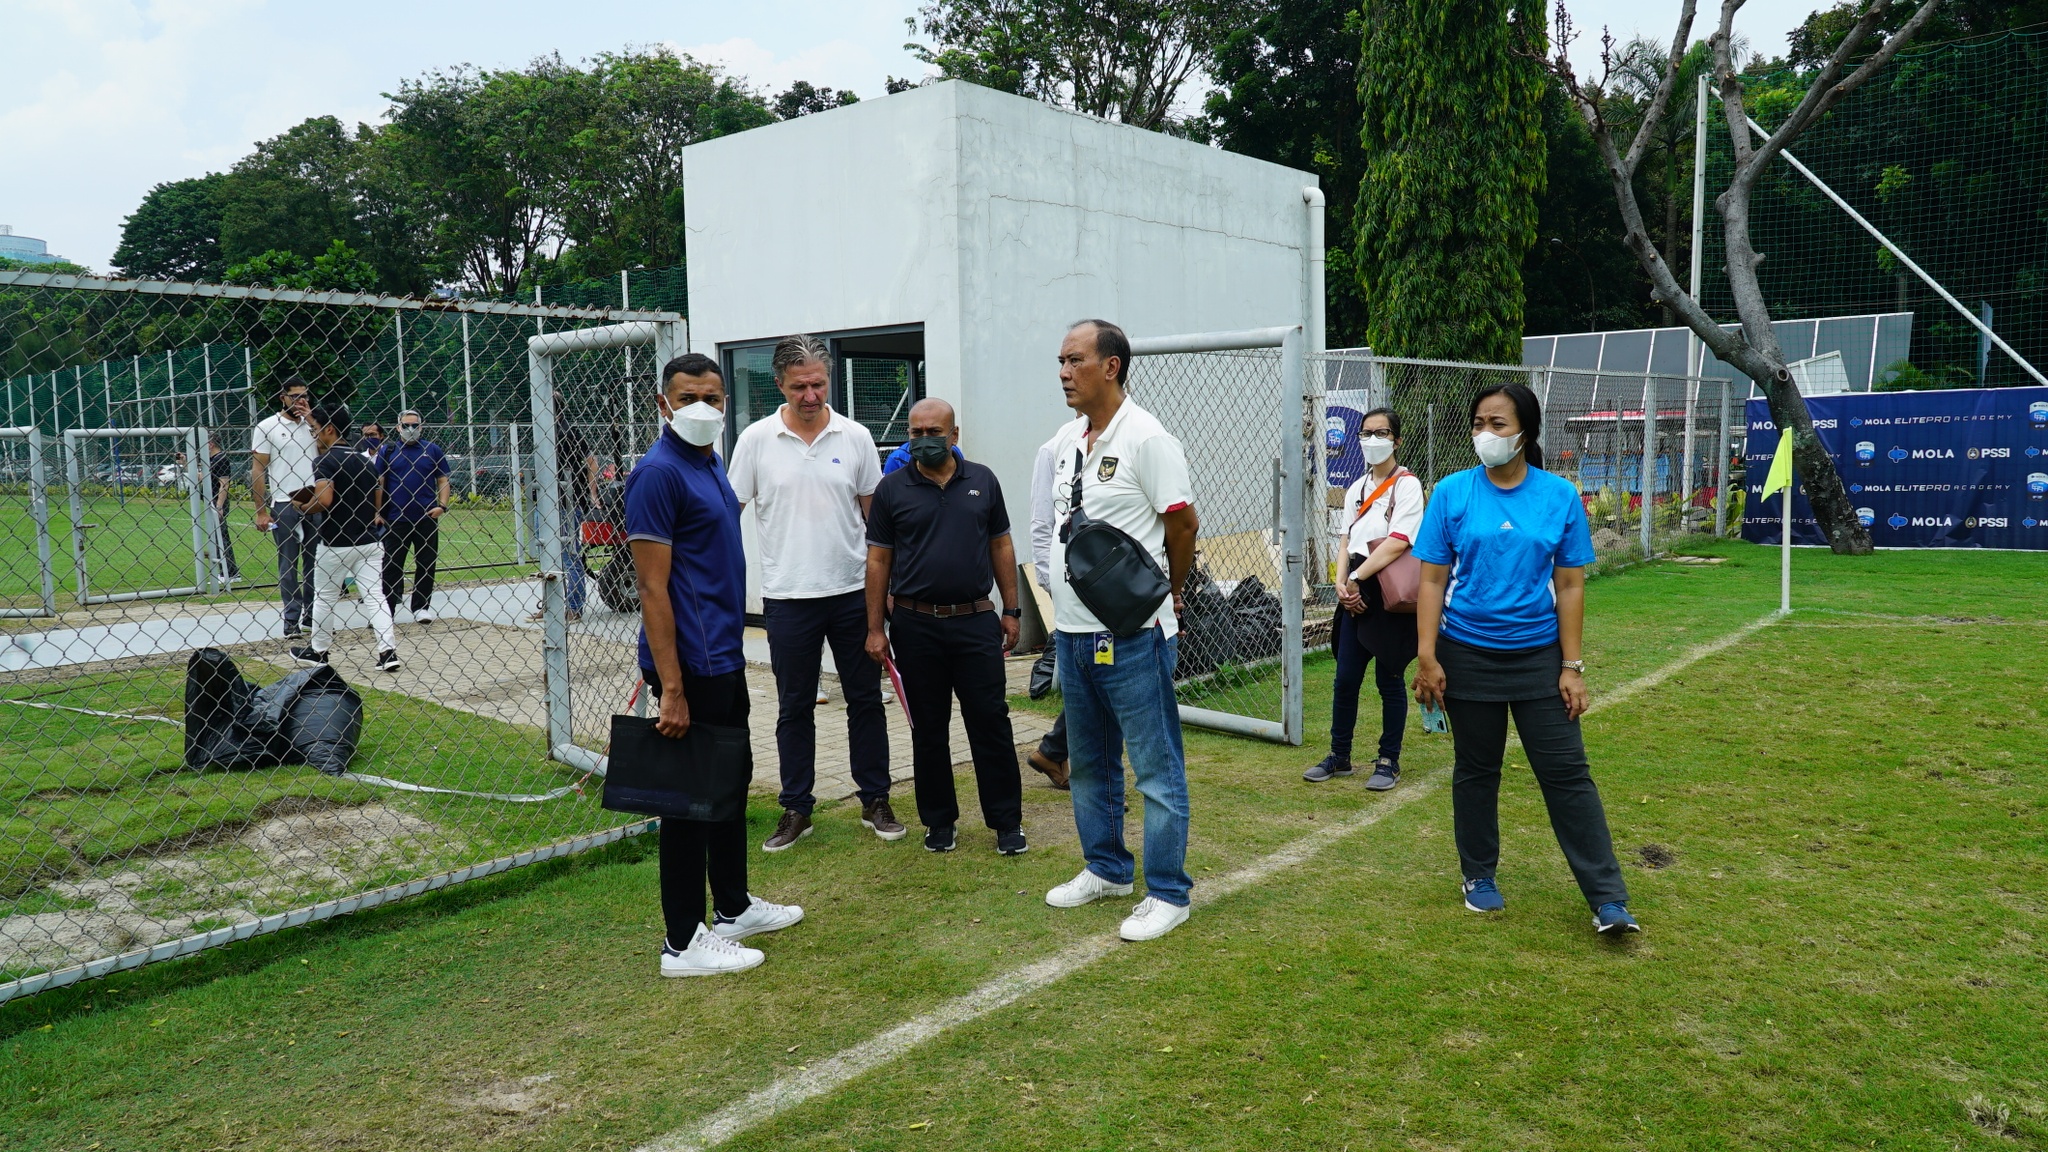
1780,476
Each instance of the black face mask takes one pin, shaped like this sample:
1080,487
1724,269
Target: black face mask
931,451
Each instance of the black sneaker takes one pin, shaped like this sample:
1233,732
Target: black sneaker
293,632
1385,774
1011,843
387,661
1329,767
939,839
308,657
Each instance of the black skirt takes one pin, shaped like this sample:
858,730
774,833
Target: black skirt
1493,674
1388,636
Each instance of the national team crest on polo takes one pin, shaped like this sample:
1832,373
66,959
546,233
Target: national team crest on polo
1106,469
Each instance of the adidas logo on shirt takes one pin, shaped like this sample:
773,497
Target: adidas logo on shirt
1507,525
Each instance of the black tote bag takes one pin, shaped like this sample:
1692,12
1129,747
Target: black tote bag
703,776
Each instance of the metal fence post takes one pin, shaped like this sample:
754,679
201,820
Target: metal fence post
554,593
1649,462
517,473
1721,467
39,507
1692,390
1614,458
74,481
469,404
1293,531
201,478
398,326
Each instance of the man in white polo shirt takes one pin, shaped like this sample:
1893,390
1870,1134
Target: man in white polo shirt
282,454
1123,468
808,472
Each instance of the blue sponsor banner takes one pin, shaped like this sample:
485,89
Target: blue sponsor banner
1964,468
1343,415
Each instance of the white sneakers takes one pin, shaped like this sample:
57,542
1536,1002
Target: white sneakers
1151,919
760,916
423,616
1084,889
709,954
716,949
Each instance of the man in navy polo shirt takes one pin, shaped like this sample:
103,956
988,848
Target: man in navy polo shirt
415,473
938,541
683,523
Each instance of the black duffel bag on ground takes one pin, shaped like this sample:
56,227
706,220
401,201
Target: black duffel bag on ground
703,776
1113,574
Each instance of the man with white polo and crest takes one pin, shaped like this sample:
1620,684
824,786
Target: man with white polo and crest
1126,541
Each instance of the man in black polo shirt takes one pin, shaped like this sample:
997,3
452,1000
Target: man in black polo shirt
346,490
938,538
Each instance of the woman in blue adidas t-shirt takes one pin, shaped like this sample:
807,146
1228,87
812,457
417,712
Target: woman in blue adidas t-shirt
1504,549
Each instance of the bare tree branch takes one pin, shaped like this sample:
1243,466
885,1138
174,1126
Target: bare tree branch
1661,102
1826,91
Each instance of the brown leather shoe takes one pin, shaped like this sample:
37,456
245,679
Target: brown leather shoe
879,818
1055,770
793,827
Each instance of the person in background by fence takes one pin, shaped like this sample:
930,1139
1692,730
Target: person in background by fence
577,473
1383,508
221,466
415,475
1504,548
808,473
281,456
938,539
1121,465
1050,757
372,441
683,524
349,500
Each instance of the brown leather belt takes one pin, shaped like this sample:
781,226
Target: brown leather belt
942,611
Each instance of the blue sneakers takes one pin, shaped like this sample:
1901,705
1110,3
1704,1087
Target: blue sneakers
1614,917
1484,896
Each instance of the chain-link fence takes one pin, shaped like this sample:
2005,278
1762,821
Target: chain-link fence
1604,431
199,737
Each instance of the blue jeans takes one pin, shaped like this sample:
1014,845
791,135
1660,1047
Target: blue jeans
1129,707
572,551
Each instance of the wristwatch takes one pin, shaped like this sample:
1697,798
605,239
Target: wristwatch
1578,666
1014,613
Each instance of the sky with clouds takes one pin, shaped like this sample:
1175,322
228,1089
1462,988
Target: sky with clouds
107,98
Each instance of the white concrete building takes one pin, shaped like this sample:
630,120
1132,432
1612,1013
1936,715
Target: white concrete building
944,238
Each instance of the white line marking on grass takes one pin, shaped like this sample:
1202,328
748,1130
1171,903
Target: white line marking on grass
833,1072
1691,657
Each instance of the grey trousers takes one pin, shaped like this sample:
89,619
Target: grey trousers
297,540
1557,755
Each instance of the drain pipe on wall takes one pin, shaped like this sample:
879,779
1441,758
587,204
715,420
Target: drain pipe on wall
1312,305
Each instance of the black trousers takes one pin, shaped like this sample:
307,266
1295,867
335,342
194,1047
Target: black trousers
938,660
691,848
1557,755
1054,745
423,538
798,631
1352,658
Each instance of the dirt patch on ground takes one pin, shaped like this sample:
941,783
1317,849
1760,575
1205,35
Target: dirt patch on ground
284,859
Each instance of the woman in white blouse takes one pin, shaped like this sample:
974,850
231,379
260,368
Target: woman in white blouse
1382,511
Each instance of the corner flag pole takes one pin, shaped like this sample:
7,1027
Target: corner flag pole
1780,480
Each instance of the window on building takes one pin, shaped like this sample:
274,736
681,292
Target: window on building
877,374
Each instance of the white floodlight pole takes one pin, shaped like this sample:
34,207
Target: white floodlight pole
398,320
249,378
107,392
626,302
1696,359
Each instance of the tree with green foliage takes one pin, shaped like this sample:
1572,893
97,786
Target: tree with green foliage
1753,349
803,98
1454,155
175,233
1287,91
1123,60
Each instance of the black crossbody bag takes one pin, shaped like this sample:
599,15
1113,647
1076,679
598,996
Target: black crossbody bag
1113,574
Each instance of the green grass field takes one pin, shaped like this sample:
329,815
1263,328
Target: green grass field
1844,944
144,542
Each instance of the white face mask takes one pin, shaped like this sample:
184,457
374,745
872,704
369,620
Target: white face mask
409,433
1375,451
1495,451
698,424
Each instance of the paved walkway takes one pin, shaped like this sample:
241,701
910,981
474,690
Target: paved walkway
480,656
